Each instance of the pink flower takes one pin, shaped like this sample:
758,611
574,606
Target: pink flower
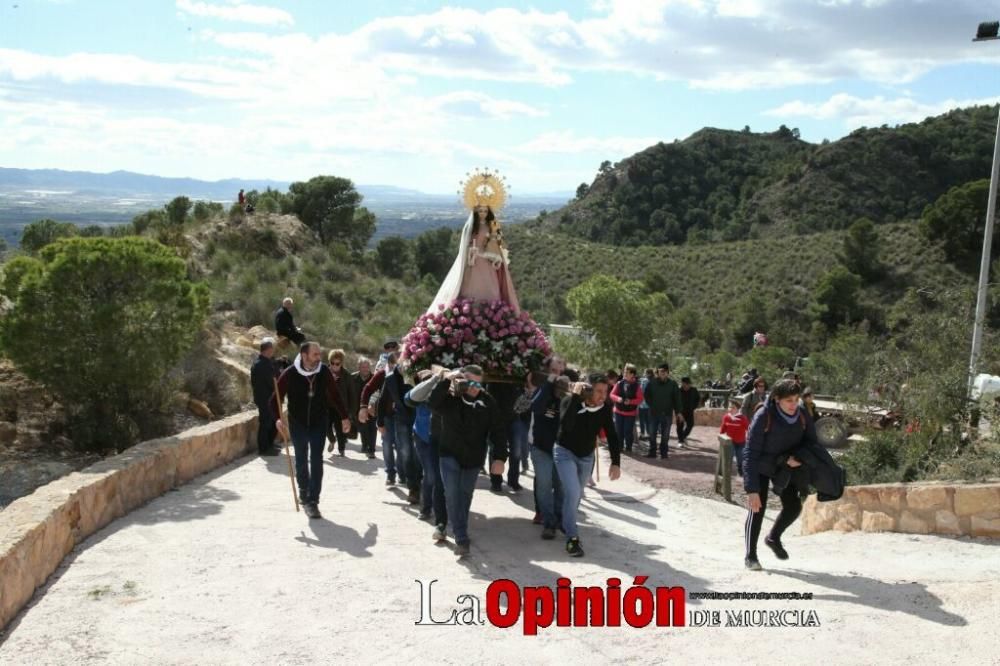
465,309
428,348
503,333
439,342
448,330
440,306
531,342
454,311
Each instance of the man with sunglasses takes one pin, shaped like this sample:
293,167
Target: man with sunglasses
470,420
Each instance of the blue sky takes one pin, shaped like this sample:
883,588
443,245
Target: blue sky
416,93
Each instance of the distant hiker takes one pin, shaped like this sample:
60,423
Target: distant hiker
626,396
644,428
312,391
735,426
336,436
754,398
690,401
242,199
366,430
470,421
284,324
262,375
808,404
664,399
583,413
390,346
777,433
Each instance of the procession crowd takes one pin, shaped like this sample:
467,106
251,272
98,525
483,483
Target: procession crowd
441,429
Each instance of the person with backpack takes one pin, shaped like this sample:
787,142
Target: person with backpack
626,396
778,430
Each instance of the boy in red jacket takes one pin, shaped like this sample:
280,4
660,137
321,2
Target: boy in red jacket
735,425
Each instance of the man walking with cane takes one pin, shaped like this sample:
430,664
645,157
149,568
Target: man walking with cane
312,391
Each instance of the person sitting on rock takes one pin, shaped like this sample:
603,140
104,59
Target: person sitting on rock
284,324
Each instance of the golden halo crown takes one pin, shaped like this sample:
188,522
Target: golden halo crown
483,187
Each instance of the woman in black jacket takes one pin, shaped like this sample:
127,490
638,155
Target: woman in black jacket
777,430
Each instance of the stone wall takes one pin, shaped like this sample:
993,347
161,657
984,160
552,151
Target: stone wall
38,531
916,508
709,416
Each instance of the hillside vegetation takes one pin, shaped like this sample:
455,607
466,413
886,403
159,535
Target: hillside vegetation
729,185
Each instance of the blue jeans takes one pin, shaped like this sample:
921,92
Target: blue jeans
548,490
573,474
625,427
459,485
644,420
407,463
396,447
738,454
660,424
308,443
432,489
518,449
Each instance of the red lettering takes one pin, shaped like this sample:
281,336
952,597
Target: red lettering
496,616
638,604
562,602
671,600
614,614
592,597
538,609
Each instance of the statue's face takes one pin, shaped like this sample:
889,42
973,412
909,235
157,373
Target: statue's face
481,212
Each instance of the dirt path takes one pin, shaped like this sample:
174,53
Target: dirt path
223,571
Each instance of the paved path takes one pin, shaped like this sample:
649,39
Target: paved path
222,571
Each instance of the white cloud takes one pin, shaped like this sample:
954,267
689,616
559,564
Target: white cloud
235,10
872,112
568,142
477,105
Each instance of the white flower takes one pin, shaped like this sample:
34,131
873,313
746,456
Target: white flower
517,362
468,348
447,359
498,347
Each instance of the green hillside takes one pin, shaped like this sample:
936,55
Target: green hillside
725,185
718,279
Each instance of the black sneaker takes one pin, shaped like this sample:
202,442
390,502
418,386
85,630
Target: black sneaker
413,497
549,533
462,549
752,564
496,488
573,547
390,482
651,455
514,486
425,515
270,452
312,510
776,547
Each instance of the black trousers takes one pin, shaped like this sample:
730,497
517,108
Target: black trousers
684,430
267,429
367,432
333,432
791,507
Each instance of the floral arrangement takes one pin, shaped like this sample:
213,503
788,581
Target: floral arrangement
485,333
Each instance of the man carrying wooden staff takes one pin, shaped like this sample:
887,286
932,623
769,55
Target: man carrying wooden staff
312,391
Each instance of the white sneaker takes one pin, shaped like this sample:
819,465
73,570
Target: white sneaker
439,534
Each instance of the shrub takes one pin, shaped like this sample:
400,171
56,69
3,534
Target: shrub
100,321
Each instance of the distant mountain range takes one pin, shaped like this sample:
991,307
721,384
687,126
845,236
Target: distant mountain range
119,183
84,197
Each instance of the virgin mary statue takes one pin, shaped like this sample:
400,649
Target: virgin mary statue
480,271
